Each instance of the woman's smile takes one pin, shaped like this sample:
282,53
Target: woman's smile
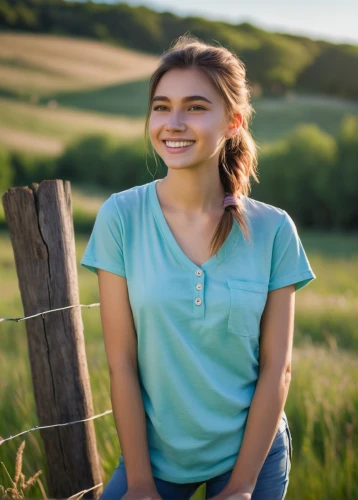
176,150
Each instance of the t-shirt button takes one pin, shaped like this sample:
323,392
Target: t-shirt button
198,272
198,286
198,301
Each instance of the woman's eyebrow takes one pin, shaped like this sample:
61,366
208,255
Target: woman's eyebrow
185,99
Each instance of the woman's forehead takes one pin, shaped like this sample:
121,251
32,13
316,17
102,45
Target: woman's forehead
179,83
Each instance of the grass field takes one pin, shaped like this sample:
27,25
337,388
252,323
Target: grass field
322,405
41,65
44,131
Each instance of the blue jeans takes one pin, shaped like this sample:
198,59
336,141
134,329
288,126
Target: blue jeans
271,484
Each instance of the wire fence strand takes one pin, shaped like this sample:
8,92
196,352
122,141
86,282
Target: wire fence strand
37,427
96,304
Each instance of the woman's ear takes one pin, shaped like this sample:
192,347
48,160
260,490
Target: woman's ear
234,126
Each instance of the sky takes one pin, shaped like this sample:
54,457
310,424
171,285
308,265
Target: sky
331,20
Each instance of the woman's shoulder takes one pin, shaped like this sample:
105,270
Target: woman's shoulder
130,196
264,214
126,203
121,209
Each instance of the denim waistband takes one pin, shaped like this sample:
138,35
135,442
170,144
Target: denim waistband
283,423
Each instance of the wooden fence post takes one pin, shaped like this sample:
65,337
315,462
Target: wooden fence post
42,235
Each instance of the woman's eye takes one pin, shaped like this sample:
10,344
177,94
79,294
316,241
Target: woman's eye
198,107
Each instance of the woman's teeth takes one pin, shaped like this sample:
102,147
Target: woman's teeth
181,144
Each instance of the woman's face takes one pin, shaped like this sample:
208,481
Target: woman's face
202,121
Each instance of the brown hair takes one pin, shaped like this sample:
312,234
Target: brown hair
238,157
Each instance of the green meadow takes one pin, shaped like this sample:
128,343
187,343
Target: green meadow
63,101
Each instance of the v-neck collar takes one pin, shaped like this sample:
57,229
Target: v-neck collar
225,249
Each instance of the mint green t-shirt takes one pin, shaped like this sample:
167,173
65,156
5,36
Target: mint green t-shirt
198,328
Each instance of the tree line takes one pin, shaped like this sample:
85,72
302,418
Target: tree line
309,173
276,63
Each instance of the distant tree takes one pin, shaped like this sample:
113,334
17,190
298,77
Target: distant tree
296,175
334,71
345,182
85,159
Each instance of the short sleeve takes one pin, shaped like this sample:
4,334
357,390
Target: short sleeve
289,264
105,249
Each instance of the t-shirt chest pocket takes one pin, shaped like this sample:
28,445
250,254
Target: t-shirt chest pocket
247,302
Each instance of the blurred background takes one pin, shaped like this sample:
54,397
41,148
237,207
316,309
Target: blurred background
73,96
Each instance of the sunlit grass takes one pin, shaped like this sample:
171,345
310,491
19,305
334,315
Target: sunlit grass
42,129
35,64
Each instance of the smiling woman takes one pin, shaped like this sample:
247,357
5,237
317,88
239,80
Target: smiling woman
197,283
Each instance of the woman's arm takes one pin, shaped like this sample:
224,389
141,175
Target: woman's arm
276,340
121,349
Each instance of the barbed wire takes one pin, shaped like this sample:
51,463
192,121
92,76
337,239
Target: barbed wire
46,312
37,427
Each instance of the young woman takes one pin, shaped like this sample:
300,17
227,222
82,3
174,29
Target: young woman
197,289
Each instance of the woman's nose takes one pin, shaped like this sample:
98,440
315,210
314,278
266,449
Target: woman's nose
175,121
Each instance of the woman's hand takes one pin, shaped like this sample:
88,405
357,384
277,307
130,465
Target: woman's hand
227,494
142,493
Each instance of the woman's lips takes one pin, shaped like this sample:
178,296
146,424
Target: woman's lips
178,150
